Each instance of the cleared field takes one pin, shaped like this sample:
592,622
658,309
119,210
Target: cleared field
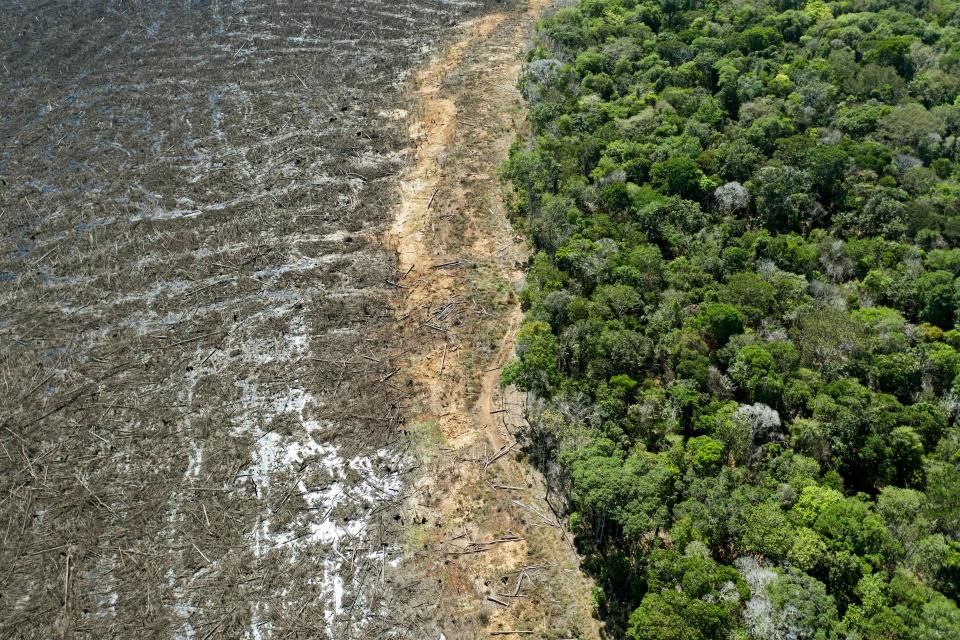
197,394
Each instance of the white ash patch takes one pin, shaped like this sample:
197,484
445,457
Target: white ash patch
358,482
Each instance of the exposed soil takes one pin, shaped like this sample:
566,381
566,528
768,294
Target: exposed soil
485,553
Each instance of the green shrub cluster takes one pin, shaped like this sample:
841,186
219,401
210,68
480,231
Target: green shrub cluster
741,316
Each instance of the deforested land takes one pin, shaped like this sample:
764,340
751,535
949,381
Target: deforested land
200,401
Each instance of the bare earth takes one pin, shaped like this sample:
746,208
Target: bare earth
486,555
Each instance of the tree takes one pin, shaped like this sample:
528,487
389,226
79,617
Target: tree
891,52
751,295
755,371
937,295
812,502
732,197
677,176
670,222
646,494
597,475
826,167
907,126
809,552
719,322
874,618
761,422
738,160
689,597
536,366
802,609
617,300
850,526
906,458
782,198
768,531
705,454
759,38
943,485
898,373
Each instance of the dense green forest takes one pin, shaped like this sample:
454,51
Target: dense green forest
741,316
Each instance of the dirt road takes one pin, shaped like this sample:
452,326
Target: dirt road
485,553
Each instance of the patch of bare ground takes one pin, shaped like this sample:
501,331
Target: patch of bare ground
485,554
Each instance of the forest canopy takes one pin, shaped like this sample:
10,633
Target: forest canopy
741,317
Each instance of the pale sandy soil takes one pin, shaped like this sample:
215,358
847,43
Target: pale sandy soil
486,554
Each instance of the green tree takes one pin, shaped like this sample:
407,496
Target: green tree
826,167
850,526
768,531
782,198
678,175
898,373
755,371
689,597
759,38
719,322
535,368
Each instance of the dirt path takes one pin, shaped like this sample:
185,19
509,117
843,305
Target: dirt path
484,553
